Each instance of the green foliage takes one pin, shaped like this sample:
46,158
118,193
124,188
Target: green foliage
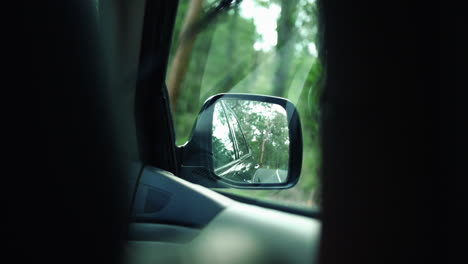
226,58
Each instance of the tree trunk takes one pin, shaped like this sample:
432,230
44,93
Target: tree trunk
182,57
231,43
202,49
284,47
265,139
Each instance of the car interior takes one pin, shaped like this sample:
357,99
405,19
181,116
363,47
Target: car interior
112,190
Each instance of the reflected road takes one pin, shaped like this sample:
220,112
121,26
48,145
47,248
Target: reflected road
264,175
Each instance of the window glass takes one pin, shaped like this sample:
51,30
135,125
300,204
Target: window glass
251,46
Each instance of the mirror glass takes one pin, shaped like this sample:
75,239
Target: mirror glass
250,141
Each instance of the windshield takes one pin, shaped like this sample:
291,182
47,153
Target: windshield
250,46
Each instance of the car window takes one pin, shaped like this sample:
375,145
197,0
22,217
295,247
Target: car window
223,143
250,46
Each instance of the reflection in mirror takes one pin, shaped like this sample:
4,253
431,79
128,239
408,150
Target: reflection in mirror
250,141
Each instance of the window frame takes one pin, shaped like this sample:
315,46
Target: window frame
234,142
236,120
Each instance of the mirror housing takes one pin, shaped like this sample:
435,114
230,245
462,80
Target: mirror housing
197,157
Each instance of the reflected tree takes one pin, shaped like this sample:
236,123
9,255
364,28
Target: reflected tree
265,128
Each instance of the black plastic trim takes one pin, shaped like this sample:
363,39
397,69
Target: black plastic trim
155,127
163,198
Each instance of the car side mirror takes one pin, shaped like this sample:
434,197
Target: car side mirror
244,141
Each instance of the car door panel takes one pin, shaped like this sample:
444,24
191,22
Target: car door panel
161,233
176,221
